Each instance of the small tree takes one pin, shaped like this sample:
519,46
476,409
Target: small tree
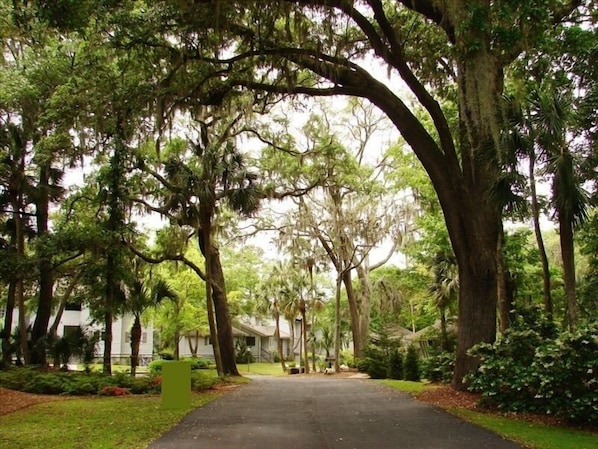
411,365
395,365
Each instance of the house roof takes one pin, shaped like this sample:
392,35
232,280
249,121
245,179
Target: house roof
261,331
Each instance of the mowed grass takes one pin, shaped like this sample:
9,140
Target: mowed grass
407,386
530,435
265,369
93,422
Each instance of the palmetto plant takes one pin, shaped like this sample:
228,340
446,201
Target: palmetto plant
142,296
202,179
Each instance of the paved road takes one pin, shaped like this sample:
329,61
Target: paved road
323,413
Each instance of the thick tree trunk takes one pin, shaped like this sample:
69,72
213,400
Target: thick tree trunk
477,313
223,319
108,315
20,287
46,277
337,323
354,313
206,248
135,342
365,306
107,359
568,256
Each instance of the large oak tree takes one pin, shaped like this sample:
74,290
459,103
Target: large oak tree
453,49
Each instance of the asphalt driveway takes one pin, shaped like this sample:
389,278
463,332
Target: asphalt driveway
323,412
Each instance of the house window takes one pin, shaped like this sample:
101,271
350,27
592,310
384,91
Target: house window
207,341
70,330
72,306
250,341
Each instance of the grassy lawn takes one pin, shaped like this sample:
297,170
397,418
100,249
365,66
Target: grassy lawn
536,436
92,423
407,386
267,369
530,435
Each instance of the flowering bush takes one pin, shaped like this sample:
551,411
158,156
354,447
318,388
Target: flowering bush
114,391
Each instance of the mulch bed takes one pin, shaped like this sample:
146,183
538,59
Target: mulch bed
11,401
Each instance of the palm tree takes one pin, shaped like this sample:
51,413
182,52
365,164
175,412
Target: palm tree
444,290
140,299
198,189
552,114
270,298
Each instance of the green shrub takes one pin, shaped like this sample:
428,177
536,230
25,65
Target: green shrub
80,387
44,384
155,367
17,378
75,383
146,385
439,367
167,355
198,363
411,369
347,357
374,362
395,365
530,370
203,380
243,352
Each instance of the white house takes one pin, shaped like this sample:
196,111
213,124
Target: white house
258,336
79,316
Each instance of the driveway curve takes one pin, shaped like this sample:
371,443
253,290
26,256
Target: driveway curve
309,412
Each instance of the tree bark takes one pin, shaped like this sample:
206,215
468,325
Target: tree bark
279,343
135,343
365,305
7,351
568,256
539,240
354,313
304,334
223,319
46,276
505,302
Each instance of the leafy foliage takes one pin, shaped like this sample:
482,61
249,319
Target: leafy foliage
411,371
439,367
155,366
532,369
395,365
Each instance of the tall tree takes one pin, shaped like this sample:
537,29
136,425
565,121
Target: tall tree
461,47
200,180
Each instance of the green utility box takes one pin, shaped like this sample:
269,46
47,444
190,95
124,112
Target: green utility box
176,385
